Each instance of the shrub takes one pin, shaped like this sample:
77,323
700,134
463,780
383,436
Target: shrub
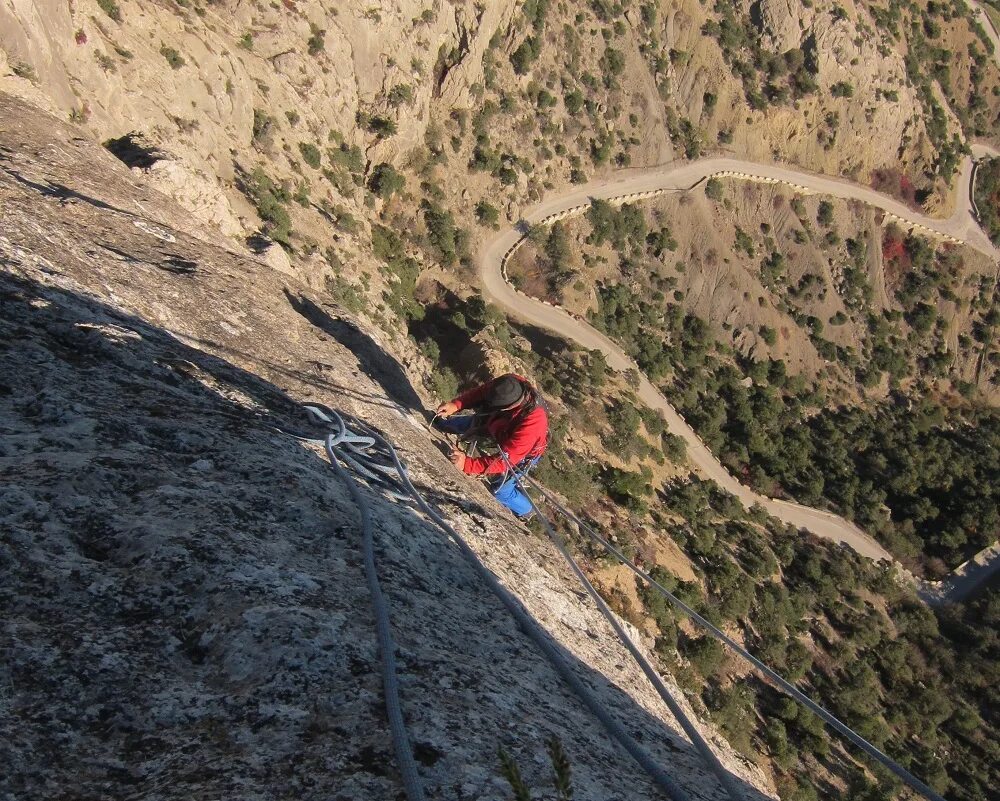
627,488
174,59
487,214
263,128
573,101
310,154
246,41
382,127
399,94
385,181
705,653
842,89
441,231
110,7
317,40
270,198
713,189
824,215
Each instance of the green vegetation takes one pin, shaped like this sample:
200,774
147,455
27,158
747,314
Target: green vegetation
310,154
447,240
270,200
399,94
263,129
385,181
561,773
988,197
911,458
842,89
403,271
527,52
347,166
174,59
802,606
317,40
766,76
488,214
111,8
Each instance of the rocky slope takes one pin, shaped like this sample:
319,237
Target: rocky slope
176,628
222,88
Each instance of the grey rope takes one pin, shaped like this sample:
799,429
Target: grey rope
337,441
789,688
723,775
541,639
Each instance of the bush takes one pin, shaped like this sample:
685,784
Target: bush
110,7
317,40
270,199
573,101
713,189
441,231
824,215
842,89
310,154
399,94
382,127
627,488
263,128
385,181
487,214
174,59
705,653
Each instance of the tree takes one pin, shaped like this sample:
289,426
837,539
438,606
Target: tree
824,215
385,181
487,214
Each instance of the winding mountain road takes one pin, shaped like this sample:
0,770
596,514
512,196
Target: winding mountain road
636,185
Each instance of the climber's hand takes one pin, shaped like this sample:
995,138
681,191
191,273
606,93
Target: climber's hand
447,409
458,458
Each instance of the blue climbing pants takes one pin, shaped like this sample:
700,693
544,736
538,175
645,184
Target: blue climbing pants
505,491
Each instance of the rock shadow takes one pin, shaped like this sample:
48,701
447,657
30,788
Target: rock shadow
378,365
104,712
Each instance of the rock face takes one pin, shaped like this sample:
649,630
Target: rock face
185,613
192,81
780,22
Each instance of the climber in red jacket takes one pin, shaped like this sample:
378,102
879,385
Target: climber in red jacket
510,410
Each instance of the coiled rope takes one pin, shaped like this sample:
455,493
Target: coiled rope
357,447
789,688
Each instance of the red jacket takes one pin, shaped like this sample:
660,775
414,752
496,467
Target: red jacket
519,435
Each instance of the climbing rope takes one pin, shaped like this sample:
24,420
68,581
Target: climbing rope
342,441
790,689
343,444
723,775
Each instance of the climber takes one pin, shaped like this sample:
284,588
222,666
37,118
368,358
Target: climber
509,410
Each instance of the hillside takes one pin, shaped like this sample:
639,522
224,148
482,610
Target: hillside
179,628
772,371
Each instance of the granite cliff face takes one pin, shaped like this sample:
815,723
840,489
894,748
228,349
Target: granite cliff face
185,612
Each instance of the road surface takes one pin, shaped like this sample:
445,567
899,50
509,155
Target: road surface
960,226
